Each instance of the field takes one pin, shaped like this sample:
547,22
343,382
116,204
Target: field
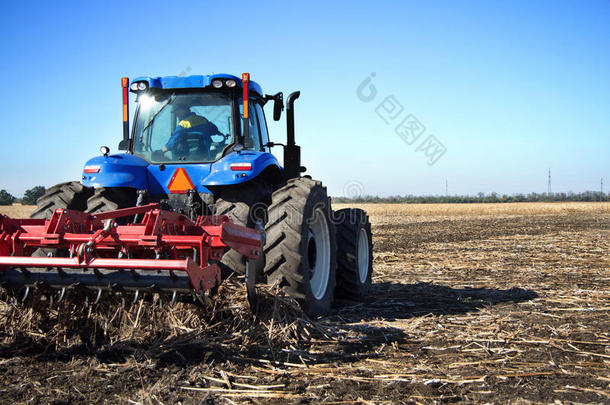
471,303
16,210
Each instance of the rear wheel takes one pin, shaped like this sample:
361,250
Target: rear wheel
354,253
111,198
300,247
246,204
239,213
70,195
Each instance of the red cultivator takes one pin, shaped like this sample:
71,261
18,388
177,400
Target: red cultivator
163,252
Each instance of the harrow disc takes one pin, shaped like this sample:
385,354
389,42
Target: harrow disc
165,252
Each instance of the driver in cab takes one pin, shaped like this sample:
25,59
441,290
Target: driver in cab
188,122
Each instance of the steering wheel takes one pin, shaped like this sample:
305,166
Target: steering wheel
192,142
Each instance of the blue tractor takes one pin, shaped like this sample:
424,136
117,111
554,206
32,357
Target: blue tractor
199,145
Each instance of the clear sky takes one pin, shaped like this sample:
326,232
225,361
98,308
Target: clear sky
508,89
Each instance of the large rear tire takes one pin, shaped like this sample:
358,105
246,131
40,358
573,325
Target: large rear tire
70,195
111,198
239,213
246,204
354,253
300,251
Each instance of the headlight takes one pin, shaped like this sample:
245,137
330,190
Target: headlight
217,84
142,85
230,83
134,86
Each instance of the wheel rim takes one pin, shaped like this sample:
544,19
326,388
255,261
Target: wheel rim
318,254
363,255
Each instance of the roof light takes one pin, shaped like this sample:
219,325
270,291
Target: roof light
92,169
241,166
217,84
142,85
230,83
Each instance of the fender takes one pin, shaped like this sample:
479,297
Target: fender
120,170
221,173
126,170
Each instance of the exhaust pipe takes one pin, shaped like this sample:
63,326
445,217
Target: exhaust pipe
292,152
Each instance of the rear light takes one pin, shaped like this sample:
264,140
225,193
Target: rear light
92,169
241,166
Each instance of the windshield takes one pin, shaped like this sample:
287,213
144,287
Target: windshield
187,127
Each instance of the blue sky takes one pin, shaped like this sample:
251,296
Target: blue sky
509,89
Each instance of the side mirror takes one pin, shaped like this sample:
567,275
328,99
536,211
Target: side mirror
124,144
278,106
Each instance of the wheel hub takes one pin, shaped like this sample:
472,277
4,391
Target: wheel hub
363,255
318,254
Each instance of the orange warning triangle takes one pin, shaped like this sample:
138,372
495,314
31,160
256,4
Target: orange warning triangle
180,182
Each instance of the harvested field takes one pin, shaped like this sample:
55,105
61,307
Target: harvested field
17,210
471,303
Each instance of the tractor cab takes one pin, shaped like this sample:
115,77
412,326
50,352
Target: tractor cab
183,120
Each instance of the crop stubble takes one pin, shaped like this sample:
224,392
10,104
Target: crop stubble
472,302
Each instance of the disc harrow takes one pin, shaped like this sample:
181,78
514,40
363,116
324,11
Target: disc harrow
160,252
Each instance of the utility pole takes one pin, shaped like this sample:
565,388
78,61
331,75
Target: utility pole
601,187
446,188
549,191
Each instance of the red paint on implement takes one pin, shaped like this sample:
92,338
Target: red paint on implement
185,246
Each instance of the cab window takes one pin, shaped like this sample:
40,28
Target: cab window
183,127
254,134
262,123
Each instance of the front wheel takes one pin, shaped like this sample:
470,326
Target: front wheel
300,248
355,253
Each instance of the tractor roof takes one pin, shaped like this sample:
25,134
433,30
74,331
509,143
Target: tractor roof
192,82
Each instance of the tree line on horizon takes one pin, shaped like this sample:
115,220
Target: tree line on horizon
29,197
479,198
32,195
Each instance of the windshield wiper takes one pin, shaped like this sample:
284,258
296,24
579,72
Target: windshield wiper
169,100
